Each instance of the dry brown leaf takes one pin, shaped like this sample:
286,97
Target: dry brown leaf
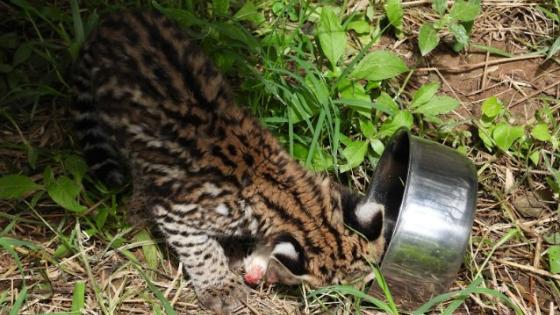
527,204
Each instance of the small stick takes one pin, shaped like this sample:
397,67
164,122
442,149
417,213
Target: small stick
535,94
536,260
495,284
532,269
454,94
467,68
485,73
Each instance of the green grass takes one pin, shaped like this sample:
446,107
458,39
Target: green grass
315,74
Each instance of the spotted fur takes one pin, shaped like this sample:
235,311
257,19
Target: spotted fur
149,105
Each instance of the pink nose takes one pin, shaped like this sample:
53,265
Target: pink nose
253,276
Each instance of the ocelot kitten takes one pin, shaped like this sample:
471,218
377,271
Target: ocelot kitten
151,106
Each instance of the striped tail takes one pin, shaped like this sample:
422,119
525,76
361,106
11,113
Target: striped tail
98,146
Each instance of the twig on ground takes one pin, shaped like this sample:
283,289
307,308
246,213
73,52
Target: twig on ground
550,86
470,67
532,269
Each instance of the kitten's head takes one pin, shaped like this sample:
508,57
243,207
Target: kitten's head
340,251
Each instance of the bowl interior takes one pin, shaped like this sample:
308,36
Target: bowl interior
390,178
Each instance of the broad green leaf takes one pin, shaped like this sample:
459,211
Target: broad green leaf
439,6
540,132
367,129
377,146
401,119
76,166
65,192
386,104
350,90
424,94
434,120
554,258
360,26
22,54
428,38
62,251
220,7
552,238
354,153
553,48
486,137
457,46
249,12
371,85
535,157
331,36
183,17
278,8
505,135
16,186
236,32
492,106
460,34
321,160
465,10
440,104
379,65
394,11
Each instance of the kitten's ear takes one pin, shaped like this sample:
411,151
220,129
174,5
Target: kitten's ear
361,215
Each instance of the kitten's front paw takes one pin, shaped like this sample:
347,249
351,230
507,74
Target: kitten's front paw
224,299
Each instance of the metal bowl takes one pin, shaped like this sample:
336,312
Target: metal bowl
429,194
